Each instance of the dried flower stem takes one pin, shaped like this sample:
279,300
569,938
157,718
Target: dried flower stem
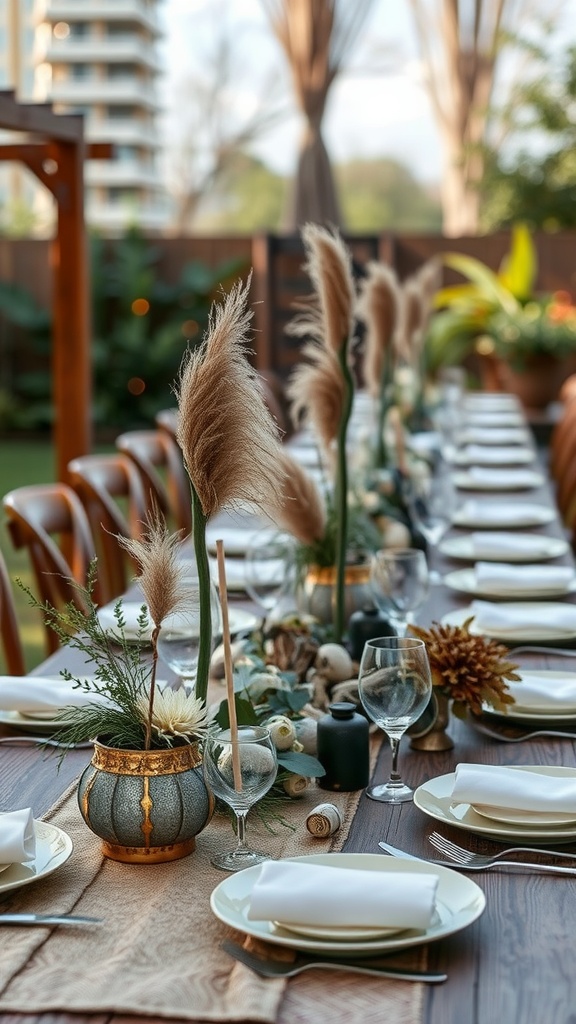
342,497
199,521
228,670
148,733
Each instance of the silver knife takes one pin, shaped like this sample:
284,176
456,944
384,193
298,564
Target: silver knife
401,853
46,919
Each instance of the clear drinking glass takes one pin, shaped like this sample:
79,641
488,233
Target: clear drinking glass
179,637
431,500
257,770
269,572
399,582
395,685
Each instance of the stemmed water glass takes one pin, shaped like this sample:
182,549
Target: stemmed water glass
395,685
179,637
270,573
257,766
431,501
399,582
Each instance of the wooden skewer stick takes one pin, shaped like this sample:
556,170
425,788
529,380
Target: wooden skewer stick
228,670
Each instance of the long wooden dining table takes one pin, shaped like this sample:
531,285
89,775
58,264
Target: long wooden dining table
515,964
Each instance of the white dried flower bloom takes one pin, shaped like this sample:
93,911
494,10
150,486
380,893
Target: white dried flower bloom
282,732
295,785
297,747
260,682
175,713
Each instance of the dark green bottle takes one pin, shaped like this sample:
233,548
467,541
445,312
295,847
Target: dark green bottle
343,748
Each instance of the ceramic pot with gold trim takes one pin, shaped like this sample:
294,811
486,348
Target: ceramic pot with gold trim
147,806
317,592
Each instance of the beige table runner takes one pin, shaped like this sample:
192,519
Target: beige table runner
158,951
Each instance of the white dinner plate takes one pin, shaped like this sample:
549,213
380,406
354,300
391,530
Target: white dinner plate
536,712
531,515
527,481
490,400
458,617
305,455
493,457
336,934
459,901
493,418
528,819
273,572
493,436
434,798
25,723
53,848
4,867
239,619
464,581
544,548
237,539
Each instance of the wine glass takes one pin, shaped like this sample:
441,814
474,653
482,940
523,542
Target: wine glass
257,767
395,685
179,637
399,582
270,573
431,501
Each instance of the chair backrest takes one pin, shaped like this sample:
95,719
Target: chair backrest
111,491
563,440
49,520
167,420
9,634
160,463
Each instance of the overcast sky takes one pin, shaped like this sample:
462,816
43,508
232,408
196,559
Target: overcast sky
368,114
384,112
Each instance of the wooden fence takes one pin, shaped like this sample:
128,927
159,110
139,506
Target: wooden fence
278,277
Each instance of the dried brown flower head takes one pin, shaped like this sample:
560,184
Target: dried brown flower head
329,267
414,304
162,571
229,438
316,391
379,307
299,506
469,669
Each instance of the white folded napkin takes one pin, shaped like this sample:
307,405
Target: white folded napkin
17,837
504,455
496,544
130,612
536,691
501,513
504,477
313,894
513,788
495,435
529,578
265,573
304,455
550,620
36,694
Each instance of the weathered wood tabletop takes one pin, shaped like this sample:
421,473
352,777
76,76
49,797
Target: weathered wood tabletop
517,962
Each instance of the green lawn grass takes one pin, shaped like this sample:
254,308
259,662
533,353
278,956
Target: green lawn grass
25,462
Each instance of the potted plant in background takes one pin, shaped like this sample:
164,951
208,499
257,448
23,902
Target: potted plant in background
522,342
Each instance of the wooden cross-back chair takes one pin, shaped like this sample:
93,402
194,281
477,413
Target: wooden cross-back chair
159,461
9,633
111,491
51,523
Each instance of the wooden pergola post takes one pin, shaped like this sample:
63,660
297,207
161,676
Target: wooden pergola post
56,157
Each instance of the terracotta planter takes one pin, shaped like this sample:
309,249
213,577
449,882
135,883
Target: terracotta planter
536,384
147,806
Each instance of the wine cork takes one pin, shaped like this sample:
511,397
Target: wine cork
323,820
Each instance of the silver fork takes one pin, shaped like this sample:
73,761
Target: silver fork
287,969
465,857
486,864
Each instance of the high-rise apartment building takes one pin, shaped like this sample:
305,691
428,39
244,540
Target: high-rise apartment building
100,58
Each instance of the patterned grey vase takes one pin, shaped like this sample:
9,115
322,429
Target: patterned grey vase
147,806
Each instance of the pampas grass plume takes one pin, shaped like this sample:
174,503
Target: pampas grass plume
300,509
379,307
